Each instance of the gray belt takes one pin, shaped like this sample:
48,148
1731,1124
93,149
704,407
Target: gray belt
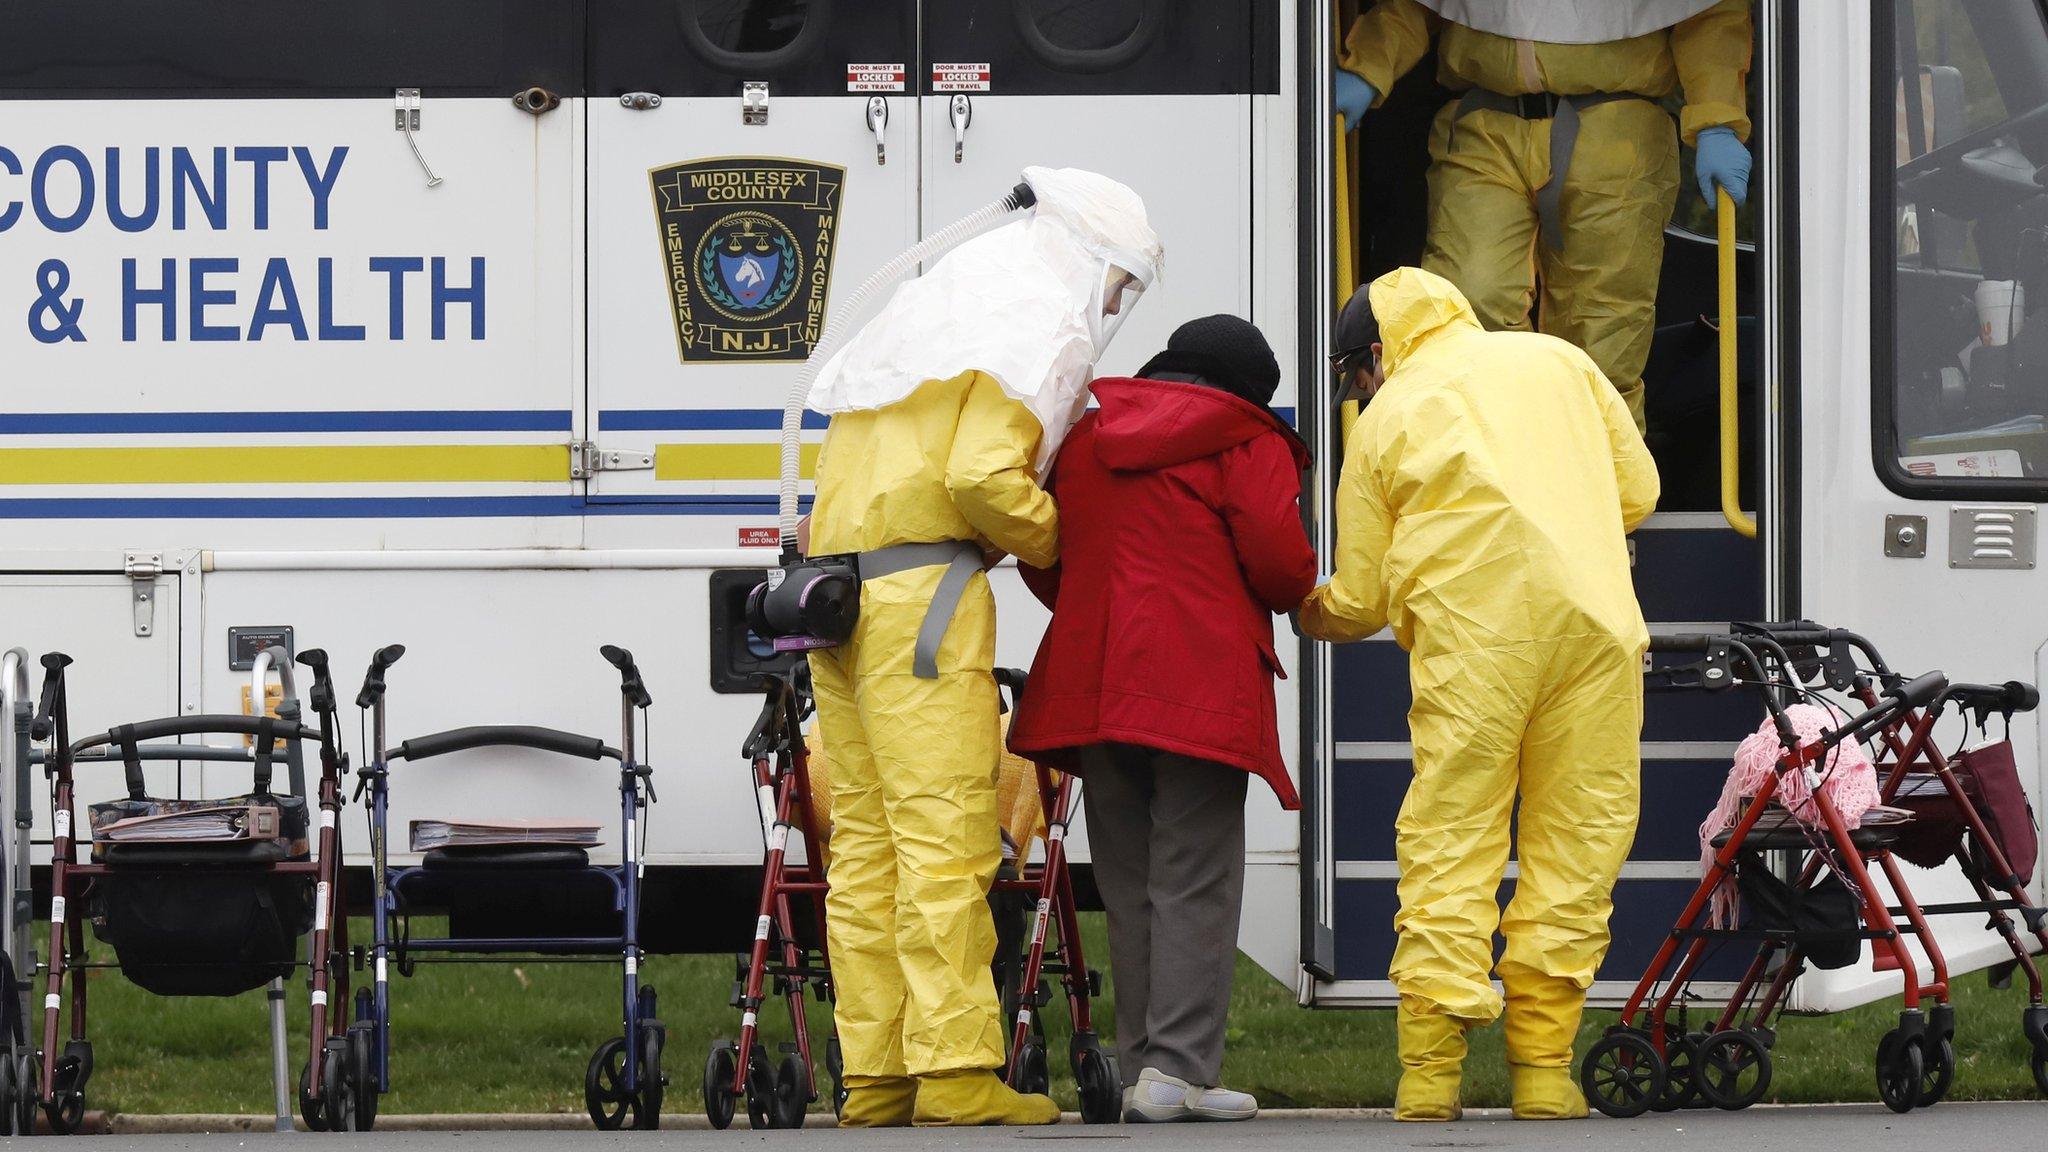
962,559
1563,114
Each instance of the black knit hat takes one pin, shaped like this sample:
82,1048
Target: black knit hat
1227,352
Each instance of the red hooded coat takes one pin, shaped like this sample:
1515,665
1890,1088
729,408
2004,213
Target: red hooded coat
1180,536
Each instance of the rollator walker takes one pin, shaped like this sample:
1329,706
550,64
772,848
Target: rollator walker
789,955
1830,907
623,1079
208,915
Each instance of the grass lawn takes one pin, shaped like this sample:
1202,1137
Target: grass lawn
515,1038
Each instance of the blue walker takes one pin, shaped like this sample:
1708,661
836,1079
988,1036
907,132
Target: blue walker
624,1075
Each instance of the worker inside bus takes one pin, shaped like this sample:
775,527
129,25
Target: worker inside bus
1532,155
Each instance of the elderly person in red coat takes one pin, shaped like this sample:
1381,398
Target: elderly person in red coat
1180,538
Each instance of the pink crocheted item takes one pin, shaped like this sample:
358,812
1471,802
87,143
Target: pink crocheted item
1846,776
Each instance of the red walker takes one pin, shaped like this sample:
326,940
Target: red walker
793,954
1651,1061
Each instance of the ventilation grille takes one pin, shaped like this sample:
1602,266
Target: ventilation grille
1984,536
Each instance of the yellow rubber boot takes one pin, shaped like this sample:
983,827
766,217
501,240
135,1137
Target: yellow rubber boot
977,1096
1542,1017
879,1102
1432,1064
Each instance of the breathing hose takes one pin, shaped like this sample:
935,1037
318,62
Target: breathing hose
1018,198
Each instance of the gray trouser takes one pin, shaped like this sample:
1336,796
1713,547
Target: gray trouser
1166,833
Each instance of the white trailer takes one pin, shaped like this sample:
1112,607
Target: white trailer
398,324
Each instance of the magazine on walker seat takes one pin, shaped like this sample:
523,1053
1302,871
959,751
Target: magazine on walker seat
428,835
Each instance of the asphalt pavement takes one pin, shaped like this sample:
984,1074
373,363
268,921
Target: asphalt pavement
1819,1128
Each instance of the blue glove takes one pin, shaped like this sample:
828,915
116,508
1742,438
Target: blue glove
1354,96
1720,160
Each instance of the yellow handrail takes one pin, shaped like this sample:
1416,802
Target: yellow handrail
1347,257
1731,447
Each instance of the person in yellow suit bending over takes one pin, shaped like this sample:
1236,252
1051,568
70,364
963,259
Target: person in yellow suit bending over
946,409
1486,491
1556,168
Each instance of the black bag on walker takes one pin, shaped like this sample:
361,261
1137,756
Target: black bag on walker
203,918
1826,912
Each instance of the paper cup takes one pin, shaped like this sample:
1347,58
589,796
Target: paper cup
1999,305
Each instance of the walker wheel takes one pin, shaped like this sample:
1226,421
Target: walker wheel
792,1092
604,1085
1622,1075
7,1090
719,1069
1681,1085
68,1115
647,1108
1901,1070
1938,1074
28,1084
311,1110
2040,1063
835,1064
74,1072
1095,1077
337,1091
760,1089
1732,1069
1030,1075
362,1072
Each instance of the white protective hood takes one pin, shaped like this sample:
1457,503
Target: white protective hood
1022,303
1568,21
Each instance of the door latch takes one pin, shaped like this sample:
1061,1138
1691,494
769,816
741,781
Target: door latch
878,123
960,110
586,459
754,102
640,101
406,119
142,570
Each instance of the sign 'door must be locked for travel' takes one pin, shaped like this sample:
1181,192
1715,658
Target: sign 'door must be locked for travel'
747,246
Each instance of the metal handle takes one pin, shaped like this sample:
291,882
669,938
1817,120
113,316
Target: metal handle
406,118
1347,269
1731,439
878,123
271,658
960,110
14,677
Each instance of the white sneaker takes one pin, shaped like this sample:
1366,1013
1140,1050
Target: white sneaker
1161,1099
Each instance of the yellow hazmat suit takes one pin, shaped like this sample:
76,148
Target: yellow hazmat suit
1486,491
915,840
1599,283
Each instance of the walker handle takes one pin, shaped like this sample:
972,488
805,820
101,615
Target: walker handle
1920,691
630,683
2021,696
1695,642
373,680
503,736
1012,681
2011,696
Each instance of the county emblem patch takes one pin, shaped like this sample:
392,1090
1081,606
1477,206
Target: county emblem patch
747,244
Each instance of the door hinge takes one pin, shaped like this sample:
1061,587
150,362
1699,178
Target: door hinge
586,459
142,570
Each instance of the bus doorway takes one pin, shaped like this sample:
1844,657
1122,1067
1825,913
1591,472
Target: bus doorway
1694,569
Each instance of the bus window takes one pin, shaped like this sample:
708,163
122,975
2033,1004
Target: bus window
1964,407
749,26
1097,25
